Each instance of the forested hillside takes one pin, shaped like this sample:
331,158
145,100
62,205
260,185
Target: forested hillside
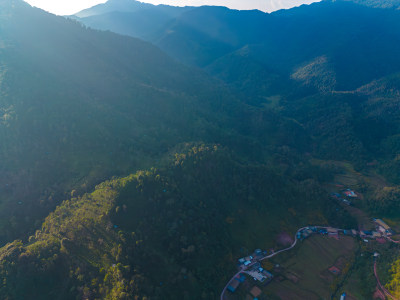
307,64
330,66
130,173
165,233
129,17
79,106
280,41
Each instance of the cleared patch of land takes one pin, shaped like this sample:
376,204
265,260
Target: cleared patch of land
304,272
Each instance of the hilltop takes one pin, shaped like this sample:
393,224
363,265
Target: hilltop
165,233
144,169
78,106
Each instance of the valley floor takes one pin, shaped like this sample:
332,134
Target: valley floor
321,262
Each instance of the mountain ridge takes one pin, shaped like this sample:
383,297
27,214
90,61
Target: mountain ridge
127,174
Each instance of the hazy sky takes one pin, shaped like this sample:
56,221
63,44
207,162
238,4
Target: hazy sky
65,7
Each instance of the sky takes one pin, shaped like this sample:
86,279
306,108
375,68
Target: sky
67,7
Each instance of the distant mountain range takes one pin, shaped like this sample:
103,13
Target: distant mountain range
142,168
283,41
329,47
114,5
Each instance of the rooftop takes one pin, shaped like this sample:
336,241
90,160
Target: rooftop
255,291
233,285
334,270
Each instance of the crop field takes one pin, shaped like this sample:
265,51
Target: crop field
304,272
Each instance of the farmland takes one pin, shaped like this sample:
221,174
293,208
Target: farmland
303,273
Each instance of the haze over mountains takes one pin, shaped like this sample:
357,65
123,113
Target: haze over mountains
266,6
279,41
167,157
328,48
66,111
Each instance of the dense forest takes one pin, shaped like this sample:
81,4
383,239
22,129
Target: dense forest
343,90
163,233
142,169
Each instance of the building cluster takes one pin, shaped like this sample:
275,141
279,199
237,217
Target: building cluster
382,231
250,265
254,270
259,274
345,196
383,228
350,232
306,232
245,261
329,231
257,254
350,193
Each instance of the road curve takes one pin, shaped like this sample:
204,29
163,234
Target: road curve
265,257
385,291
226,286
280,251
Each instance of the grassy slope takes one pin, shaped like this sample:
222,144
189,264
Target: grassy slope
310,263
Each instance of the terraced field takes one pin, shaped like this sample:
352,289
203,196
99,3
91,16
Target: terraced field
303,273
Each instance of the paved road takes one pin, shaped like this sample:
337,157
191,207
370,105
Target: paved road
295,241
265,257
224,290
243,269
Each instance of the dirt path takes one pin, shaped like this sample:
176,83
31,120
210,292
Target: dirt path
383,289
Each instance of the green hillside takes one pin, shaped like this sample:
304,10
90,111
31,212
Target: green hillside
159,233
126,174
78,106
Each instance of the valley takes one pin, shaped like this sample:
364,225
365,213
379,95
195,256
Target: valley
322,261
319,269
147,150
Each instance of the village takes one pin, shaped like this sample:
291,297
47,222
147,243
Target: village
251,271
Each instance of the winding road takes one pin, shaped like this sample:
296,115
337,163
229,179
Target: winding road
385,291
245,268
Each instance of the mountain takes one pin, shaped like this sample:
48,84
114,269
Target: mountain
112,6
78,106
283,59
391,4
130,17
162,234
142,24
281,40
130,174
214,35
